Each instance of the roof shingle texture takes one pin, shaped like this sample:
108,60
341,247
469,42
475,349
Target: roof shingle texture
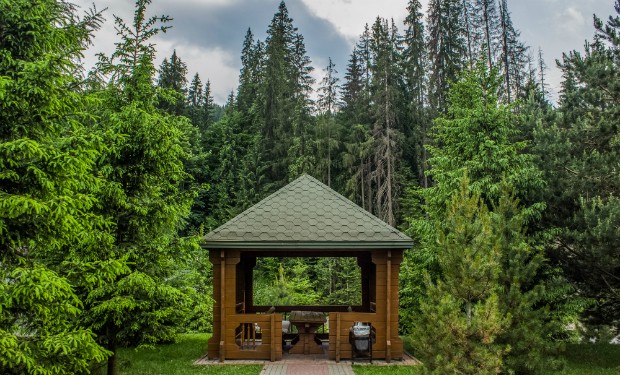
303,212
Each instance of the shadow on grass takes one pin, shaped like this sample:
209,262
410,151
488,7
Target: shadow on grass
177,359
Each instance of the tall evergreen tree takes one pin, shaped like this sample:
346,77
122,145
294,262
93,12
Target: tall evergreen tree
476,143
415,64
447,47
513,56
47,191
300,153
460,320
172,76
144,196
582,171
487,19
386,100
278,96
327,134
286,88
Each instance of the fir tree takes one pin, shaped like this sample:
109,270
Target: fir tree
415,64
386,100
172,76
327,134
144,196
47,191
446,49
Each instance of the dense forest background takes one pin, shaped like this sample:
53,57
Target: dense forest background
108,179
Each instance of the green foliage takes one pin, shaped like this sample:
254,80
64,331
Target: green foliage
38,334
579,155
477,135
460,318
146,196
46,189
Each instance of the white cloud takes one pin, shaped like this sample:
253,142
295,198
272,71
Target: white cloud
570,22
349,17
216,65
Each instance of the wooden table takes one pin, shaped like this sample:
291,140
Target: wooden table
307,322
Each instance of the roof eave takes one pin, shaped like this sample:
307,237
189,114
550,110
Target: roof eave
404,244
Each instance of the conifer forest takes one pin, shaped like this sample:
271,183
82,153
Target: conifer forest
444,128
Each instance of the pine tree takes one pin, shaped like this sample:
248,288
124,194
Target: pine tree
460,317
582,172
476,144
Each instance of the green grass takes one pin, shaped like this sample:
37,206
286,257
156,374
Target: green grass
177,359
391,370
592,359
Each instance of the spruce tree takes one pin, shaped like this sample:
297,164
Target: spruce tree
278,96
327,135
386,99
514,55
447,47
145,196
415,64
172,76
487,19
47,191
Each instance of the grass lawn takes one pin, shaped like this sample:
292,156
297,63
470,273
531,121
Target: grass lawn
592,359
177,359
391,370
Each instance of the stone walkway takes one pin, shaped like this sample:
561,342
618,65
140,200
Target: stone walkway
307,369
317,364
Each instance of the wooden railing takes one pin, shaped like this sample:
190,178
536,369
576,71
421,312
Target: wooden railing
254,336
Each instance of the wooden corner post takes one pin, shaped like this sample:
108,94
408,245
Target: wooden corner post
222,305
388,307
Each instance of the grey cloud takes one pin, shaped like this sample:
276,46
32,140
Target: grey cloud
224,26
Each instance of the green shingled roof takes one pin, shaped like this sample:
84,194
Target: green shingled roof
306,214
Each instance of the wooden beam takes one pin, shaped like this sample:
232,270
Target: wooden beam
337,337
273,338
388,304
222,305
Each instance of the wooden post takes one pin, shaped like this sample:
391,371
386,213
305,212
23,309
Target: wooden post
273,337
388,304
222,305
337,337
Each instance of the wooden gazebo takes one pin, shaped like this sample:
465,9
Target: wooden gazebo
303,219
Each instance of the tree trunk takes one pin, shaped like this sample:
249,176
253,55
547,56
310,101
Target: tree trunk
503,15
488,31
112,366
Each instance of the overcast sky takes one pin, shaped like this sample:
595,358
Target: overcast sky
208,34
